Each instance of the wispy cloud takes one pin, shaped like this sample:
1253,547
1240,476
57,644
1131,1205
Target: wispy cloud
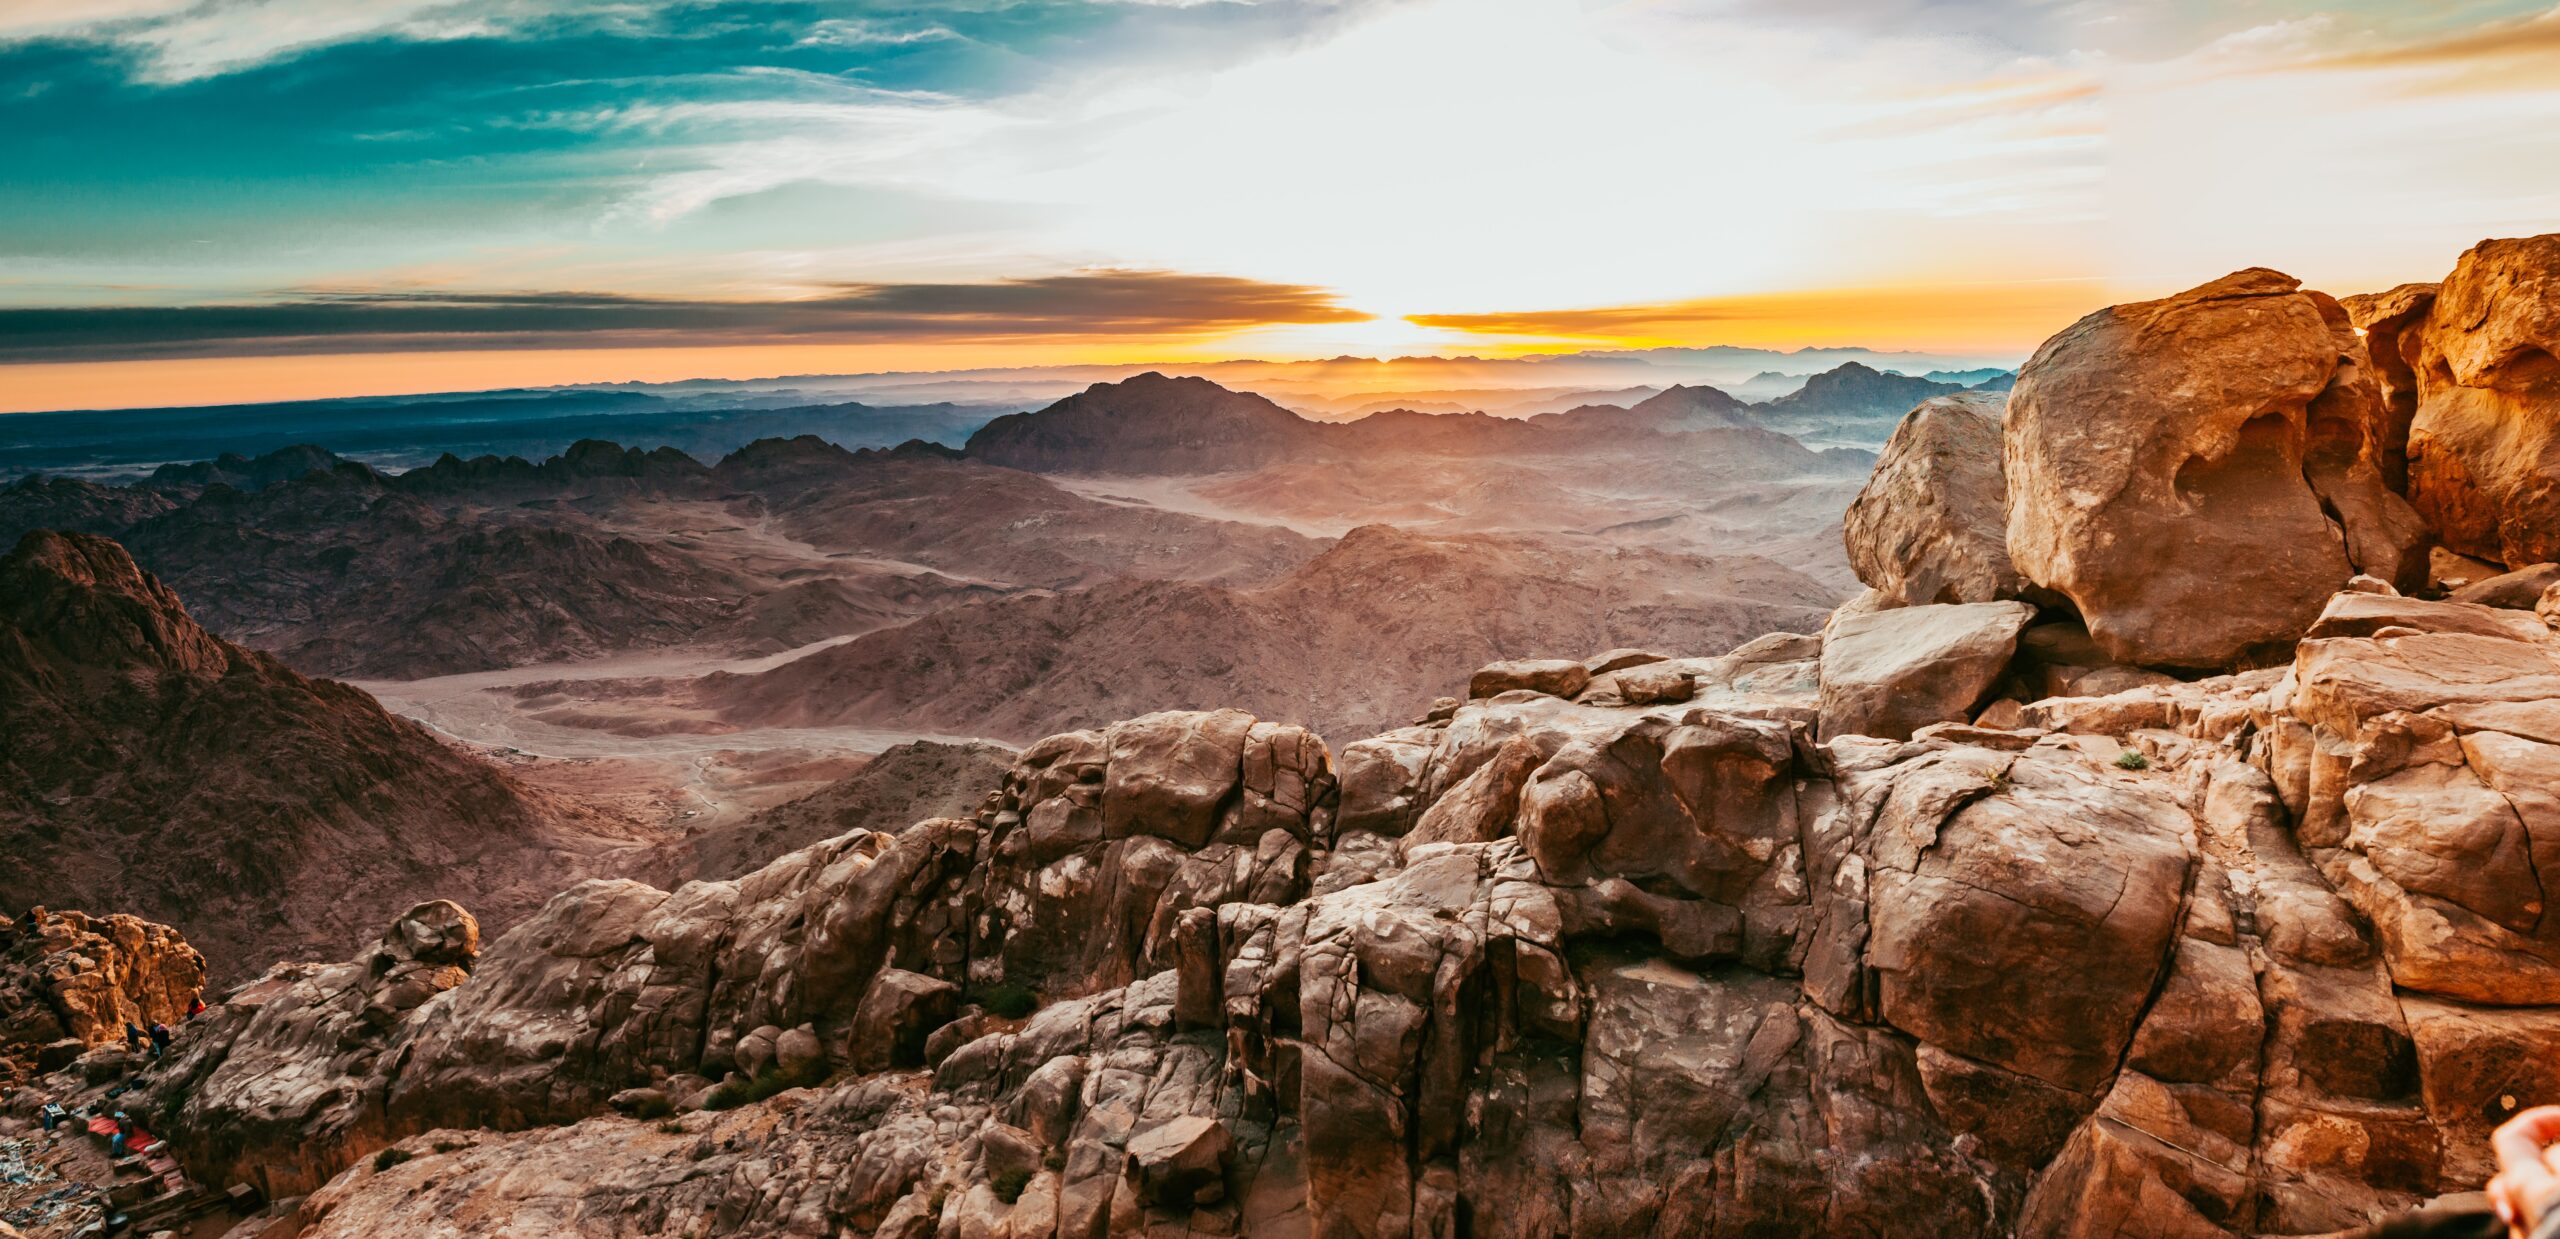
864,32
1090,304
2534,36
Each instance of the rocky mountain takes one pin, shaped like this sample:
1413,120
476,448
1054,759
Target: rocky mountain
976,522
244,472
1854,403
498,562
154,767
74,505
1146,424
1673,410
1348,643
1972,380
1959,916
1151,424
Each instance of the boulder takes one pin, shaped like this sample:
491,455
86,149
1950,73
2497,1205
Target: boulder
1556,677
1180,1162
2486,433
899,1011
1170,773
1656,685
1010,1153
2153,448
2518,590
1886,673
1930,526
755,1052
797,1054
2030,935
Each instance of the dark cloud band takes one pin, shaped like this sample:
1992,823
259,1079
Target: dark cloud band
1098,304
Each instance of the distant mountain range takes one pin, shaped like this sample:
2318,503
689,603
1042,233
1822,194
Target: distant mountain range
405,432
710,418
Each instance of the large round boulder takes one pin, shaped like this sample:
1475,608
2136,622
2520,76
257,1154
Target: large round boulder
2199,474
1929,526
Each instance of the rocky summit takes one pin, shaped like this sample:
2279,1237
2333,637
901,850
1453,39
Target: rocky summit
2158,848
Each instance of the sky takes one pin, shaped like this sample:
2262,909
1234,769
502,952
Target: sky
212,200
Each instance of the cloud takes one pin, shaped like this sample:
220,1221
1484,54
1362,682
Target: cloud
2534,36
1965,315
1085,304
862,32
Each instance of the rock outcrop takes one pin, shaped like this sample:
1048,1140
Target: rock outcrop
1931,526
70,982
2255,954
2484,438
2154,449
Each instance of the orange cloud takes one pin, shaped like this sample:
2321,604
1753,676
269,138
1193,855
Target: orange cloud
2010,316
2537,35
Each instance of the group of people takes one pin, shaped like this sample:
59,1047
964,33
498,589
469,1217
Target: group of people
157,1037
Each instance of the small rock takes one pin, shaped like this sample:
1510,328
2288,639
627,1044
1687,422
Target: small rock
2005,714
797,1052
1653,685
1556,677
1620,660
755,1051
641,1100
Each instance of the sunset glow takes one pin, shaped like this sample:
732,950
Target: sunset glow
227,199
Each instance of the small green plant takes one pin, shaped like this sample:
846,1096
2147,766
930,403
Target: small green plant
1056,1160
1007,999
1009,1185
389,1158
671,1127
735,1093
654,1106
450,1146
2132,759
